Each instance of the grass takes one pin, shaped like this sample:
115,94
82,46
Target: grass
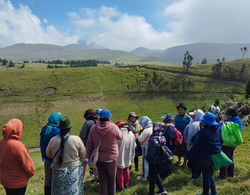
178,183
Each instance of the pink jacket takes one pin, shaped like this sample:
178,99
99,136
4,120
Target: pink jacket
109,147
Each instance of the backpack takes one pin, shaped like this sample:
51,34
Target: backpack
163,155
177,138
230,134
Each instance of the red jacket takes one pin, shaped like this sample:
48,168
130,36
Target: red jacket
109,147
16,167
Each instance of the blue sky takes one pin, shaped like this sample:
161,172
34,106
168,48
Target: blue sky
124,25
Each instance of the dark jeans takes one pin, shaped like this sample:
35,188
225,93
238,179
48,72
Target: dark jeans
136,161
229,151
196,170
154,178
208,177
107,177
19,191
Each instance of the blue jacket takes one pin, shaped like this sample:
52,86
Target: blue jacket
205,143
181,121
44,142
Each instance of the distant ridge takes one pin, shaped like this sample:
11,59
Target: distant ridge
142,51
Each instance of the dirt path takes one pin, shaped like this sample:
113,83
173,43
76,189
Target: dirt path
34,149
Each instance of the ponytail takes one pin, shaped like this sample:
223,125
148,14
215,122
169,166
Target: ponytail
63,132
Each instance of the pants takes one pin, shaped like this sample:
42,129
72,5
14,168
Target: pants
154,178
84,164
144,162
123,173
107,177
48,173
229,151
208,178
19,191
136,160
196,170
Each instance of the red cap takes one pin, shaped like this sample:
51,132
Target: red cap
120,123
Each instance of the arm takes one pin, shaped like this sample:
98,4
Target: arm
90,144
83,131
49,149
118,133
151,151
25,161
82,151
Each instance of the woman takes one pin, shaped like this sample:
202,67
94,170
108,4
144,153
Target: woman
108,133
206,143
47,132
91,119
68,153
16,167
126,148
143,136
135,127
232,116
181,121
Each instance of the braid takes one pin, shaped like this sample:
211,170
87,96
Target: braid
63,132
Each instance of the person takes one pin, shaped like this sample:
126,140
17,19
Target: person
135,127
169,135
98,111
68,153
155,140
91,119
47,132
231,115
215,109
206,143
143,136
126,148
181,121
108,133
192,129
16,166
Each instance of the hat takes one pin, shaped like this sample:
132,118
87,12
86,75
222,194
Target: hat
133,114
209,119
214,109
105,113
231,112
120,123
167,116
65,123
98,111
193,113
181,105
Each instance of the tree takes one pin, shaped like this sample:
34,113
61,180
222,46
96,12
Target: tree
223,60
187,62
243,51
4,62
243,74
217,69
11,64
204,61
248,88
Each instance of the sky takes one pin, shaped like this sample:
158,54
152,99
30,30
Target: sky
124,25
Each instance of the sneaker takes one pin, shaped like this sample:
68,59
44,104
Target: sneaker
162,192
137,170
126,186
118,189
141,178
178,162
91,175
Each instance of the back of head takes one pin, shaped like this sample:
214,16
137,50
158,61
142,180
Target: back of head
145,122
199,114
13,129
214,109
90,114
158,129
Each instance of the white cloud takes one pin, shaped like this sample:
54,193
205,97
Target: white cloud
45,21
19,25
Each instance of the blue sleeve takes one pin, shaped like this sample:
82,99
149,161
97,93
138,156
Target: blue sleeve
151,151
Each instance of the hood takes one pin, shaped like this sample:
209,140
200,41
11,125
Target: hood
199,114
13,129
124,128
104,127
145,122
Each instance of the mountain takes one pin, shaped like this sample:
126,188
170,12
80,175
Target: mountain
142,51
20,52
199,51
90,45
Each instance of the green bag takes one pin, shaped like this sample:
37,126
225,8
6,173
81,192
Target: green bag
230,134
220,160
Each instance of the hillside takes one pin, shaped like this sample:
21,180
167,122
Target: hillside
20,52
199,51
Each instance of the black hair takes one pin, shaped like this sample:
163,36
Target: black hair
63,132
103,118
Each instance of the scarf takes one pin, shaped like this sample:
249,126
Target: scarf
133,126
145,122
53,121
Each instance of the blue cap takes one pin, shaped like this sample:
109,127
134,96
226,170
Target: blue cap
98,111
209,119
106,113
167,116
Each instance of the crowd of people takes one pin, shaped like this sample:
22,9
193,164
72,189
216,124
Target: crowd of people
66,156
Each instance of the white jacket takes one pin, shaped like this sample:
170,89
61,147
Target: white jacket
143,137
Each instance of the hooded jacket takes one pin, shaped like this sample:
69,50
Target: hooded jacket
109,148
16,166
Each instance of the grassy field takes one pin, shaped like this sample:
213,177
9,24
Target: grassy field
178,183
